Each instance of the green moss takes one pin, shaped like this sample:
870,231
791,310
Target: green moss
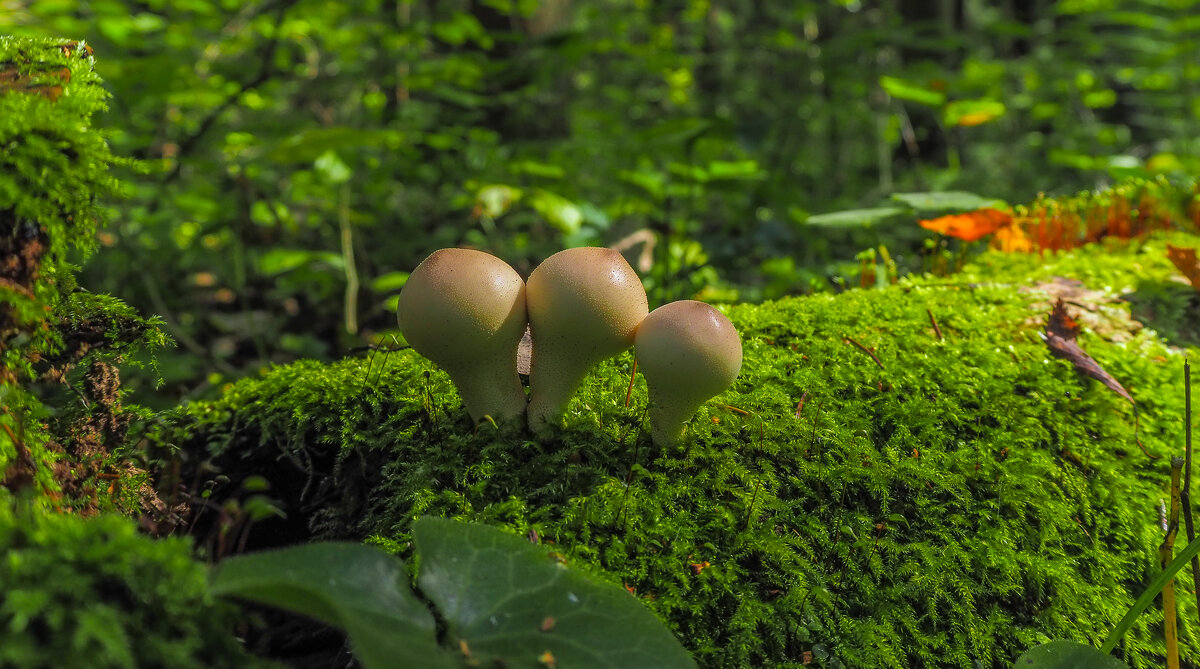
94,593
951,506
54,173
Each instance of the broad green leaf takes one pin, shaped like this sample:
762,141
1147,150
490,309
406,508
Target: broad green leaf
902,89
510,602
855,217
358,588
386,283
278,261
1062,654
946,201
557,210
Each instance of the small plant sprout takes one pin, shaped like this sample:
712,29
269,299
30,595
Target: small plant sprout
465,311
688,352
585,305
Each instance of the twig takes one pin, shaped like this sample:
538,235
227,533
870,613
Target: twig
265,71
1165,554
348,260
936,330
865,350
1185,496
632,375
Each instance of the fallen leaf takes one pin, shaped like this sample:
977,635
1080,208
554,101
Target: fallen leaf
1061,331
969,226
1011,239
1185,259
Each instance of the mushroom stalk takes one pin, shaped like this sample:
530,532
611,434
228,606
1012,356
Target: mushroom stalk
585,305
465,311
689,352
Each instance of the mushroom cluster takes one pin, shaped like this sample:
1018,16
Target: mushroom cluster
467,312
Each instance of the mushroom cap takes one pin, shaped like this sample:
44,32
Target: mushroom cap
588,299
458,296
688,352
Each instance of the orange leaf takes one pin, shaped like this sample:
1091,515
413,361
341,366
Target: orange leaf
1186,261
976,118
971,225
1011,239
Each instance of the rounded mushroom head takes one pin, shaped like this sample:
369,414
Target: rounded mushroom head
585,305
465,310
588,298
689,352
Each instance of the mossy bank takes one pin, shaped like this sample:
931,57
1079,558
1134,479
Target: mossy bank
947,499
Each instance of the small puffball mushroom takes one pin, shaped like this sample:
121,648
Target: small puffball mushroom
688,352
465,311
585,305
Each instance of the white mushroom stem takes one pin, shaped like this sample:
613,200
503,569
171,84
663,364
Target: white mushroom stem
585,305
465,311
689,352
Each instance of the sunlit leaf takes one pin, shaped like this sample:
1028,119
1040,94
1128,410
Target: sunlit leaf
331,166
556,209
735,170
386,283
495,200
902,89
278,261
966,113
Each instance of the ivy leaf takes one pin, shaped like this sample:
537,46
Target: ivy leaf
506,601
358,588
1062,654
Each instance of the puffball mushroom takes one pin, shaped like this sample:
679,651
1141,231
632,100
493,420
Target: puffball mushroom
585,305
465,311
688,352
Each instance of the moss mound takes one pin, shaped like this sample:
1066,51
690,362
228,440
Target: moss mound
948,500
95,593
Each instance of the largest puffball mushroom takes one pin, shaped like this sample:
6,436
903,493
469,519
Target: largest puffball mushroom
465,311
585,305
688,352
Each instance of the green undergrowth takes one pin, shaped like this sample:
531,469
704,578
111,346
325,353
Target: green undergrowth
96,594
963,498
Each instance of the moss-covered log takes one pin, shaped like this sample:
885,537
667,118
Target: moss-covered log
900,477
55,173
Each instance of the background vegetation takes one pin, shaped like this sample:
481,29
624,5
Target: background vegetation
299,156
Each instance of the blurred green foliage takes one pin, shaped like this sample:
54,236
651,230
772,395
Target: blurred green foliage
306,154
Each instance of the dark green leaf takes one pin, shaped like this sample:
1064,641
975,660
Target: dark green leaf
1061,654
510,602
358,588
